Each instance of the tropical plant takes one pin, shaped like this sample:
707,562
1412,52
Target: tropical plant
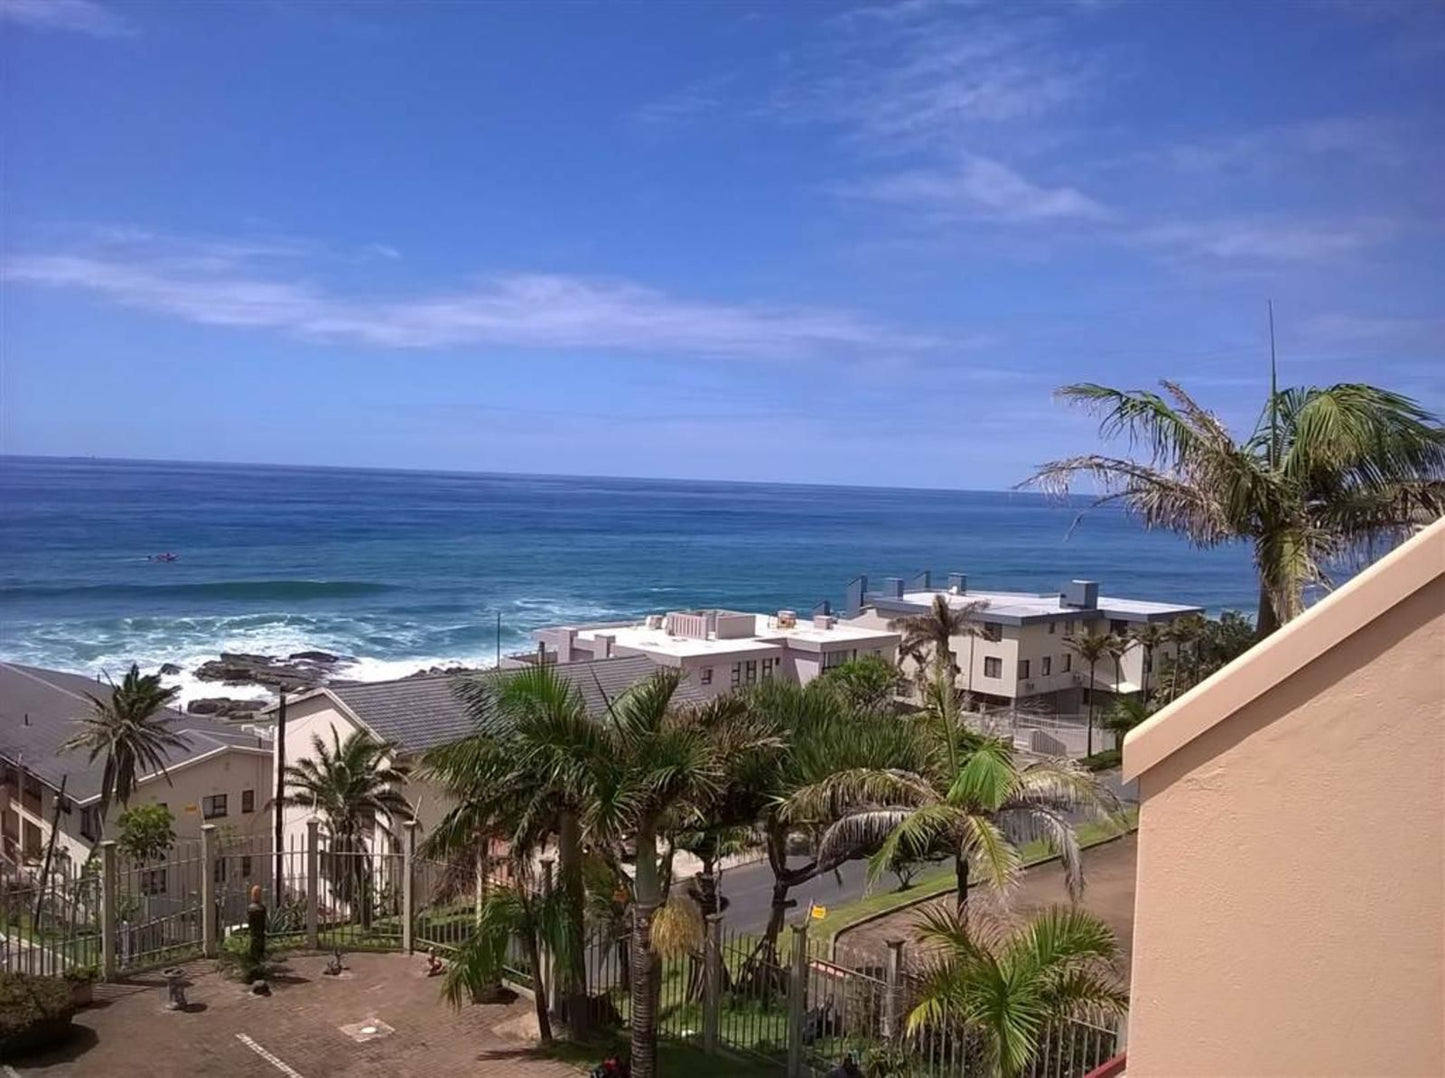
526,774
1327,475
1149,637
962,795
512,909
869,684
146,832
354,786
132,730
1123,715
1092,648
929,637
1009,987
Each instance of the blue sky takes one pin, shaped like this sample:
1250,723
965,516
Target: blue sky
786,242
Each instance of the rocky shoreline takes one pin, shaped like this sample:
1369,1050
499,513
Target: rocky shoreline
297,672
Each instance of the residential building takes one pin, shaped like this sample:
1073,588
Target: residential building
1290,901
221,776
1020,659
722,650
417,713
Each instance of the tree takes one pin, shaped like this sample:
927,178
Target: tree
146,832
1010,987
868,685
1092,647
352,785
1123,715
962,795
1209,645
930,636
1149,636
662,766
512,909
526,774
131,729
1328,474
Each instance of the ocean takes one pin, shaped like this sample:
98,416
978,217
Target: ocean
405,570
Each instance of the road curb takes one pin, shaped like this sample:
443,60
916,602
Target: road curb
919,900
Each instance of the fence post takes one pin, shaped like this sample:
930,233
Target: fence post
109,881
893,1016
797,1000
313,881
408,887
208,890
712,983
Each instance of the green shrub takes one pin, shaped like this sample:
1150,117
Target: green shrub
34,1012
1103,761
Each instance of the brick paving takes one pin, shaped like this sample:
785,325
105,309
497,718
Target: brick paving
1108,893
128,1031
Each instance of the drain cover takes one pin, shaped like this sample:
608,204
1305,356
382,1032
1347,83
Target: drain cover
368,1030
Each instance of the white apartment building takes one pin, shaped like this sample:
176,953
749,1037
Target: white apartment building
222,776
1019,659
722,650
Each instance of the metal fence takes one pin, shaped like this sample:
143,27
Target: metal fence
794,1005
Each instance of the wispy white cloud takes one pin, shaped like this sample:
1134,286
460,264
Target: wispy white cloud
682,106
979,187
1248,240
77,16
229,284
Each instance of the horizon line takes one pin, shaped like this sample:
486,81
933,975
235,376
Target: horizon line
90,458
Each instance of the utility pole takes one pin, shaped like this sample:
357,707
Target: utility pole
278,811
1273,394
499,639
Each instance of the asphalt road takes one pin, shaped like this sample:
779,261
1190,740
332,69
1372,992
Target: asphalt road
749,888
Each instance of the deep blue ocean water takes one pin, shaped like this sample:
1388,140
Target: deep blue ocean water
409,569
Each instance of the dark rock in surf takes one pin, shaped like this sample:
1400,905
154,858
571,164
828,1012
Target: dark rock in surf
169,670
226,707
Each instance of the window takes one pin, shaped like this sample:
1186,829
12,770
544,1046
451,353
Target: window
153,881
245,866
992,630
1069,627
1052,627
248,801
705,677
737,674
1048,667
90,824
837,658
768,669
750,671
992,666
218,871
1068,661
214,806
1024,669
1118,628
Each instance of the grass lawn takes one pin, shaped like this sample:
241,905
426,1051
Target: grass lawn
940,880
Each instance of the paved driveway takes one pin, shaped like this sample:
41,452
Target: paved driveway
382,1017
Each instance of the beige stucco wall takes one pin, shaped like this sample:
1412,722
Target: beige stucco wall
1290,911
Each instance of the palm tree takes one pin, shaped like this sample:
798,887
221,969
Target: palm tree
515,909
526,774
663,766
1010,987
930,635
1150,636
1328,473
352,785
131,729
1091,647
963,795
868,684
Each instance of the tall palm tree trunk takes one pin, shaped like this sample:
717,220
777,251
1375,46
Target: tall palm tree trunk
960,878
539,993
1266,620
1093,691
573,989
644,961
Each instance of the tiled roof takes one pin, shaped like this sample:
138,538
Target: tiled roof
418,712
38,712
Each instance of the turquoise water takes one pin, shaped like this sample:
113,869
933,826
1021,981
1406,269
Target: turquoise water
408,569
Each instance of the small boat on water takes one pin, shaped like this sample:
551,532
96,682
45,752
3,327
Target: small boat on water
166,556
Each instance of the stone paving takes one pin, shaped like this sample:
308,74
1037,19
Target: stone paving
381,1017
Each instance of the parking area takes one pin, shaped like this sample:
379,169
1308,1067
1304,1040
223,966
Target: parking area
382,1016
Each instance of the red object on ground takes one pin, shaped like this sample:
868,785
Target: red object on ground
1110,1068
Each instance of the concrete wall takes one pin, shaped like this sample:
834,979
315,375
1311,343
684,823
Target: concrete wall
1290,911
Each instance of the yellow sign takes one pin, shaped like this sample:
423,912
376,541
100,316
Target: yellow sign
819,912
